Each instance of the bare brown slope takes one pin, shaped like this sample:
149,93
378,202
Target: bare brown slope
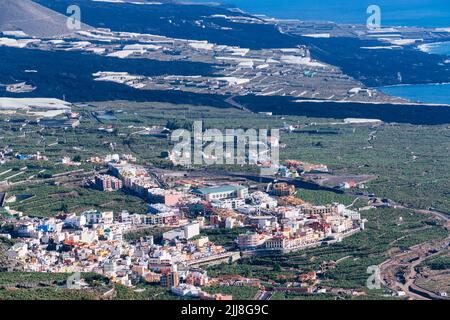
33,19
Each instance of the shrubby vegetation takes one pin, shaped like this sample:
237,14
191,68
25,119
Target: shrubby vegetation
238,293
223,237
441,262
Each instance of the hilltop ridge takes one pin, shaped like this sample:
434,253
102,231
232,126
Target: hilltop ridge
33,19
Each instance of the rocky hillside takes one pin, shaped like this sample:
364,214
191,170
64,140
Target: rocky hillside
33,19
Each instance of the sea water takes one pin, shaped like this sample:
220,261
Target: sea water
426,93
421,13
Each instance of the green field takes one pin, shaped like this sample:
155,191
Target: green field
49,200
321,197
411,163
51,286
238,293
440,262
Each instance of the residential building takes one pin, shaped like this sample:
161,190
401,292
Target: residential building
166,197
276,243
168,218
229,204
187,232
96,217
282,189
75,221
108,183
250,240
170,279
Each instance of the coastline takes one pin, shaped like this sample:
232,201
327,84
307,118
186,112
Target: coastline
393,12
432,46
378,103
409,94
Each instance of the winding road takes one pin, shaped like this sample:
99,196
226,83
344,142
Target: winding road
407,261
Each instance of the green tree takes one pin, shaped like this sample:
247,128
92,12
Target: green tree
276,267
64,208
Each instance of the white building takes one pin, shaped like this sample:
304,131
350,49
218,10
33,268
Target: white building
96,217
230,223
187,232
263,200
19,250
185,290
229,203
343,211
88,236
247,209
191,230
27,230
222,192
76,221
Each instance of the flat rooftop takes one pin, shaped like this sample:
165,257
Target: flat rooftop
218,189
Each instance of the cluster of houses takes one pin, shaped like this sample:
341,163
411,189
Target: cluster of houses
93,241
296,227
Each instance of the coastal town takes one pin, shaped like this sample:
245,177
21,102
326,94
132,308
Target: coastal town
93,241
94,196
195,151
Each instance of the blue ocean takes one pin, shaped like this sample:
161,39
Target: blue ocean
423,13
427,93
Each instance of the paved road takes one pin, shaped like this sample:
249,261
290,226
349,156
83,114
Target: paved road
409,260
416,256
235,104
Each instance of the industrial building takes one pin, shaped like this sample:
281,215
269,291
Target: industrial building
222,192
